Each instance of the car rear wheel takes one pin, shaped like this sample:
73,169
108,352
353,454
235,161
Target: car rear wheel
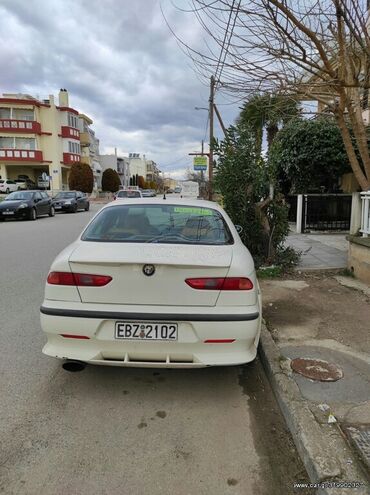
87,207
33,214
51,211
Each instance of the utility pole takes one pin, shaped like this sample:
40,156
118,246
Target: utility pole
210,156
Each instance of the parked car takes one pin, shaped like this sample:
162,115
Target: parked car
165,283
7,186
71,201
148,193
128,193
25,184
26,204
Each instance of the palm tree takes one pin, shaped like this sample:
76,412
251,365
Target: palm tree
267,112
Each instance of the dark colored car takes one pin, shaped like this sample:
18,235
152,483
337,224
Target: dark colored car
71,201
26,204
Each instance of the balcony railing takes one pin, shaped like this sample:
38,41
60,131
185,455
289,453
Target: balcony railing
85,139
70,132
13,125
69,158
17,155
365,214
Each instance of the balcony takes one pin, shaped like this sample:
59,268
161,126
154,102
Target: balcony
16,155
70,158
85,139
70,132
21,126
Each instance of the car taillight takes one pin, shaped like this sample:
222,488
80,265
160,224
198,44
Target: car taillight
220,283
78,279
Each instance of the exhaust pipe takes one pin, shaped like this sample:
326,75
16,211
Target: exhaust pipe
74,366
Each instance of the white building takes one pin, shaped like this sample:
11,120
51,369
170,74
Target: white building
120,164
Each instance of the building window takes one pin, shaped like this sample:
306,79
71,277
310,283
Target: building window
72,120
25,143
23,114
74,147
17,143
4,113
6,142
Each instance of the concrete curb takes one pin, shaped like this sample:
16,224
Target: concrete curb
317,444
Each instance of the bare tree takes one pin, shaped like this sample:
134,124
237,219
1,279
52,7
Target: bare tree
307,49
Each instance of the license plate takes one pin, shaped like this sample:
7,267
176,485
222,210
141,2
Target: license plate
57,207
8,212
136,330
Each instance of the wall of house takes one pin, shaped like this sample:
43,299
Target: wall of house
359,258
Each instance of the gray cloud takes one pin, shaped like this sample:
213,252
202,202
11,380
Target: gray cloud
120,64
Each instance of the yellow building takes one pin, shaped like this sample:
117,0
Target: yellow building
38,136
169,183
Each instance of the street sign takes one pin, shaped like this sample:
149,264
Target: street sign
200,163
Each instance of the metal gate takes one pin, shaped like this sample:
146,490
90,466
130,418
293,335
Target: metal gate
326,212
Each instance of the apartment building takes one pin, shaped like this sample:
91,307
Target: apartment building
39,136
120,164
90,148
141,166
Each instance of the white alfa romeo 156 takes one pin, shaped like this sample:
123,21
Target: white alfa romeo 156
153,283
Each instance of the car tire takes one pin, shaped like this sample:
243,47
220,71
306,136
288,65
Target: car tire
52,211
33,214
74,209
87,207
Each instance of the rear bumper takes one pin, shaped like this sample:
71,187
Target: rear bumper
189,351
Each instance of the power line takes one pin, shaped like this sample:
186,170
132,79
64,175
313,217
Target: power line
218,78
224,40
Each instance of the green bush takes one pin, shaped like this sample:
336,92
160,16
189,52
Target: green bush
110,181
81,178
308,155
241,176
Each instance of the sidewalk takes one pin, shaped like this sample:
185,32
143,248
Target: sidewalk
320,250
319,324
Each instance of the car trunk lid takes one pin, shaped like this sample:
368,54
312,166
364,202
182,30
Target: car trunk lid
173,264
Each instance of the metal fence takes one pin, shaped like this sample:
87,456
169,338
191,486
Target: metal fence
326,212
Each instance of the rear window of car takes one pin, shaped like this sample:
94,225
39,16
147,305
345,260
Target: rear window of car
128,194
65,195
165,224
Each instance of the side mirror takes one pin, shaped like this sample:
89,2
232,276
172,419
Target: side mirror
239,229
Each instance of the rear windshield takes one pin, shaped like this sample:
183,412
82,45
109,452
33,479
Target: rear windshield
128,194
65,195
172,224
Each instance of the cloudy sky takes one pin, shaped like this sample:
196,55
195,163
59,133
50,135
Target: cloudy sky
121,66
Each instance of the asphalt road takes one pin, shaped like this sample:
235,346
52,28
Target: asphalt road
126,431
